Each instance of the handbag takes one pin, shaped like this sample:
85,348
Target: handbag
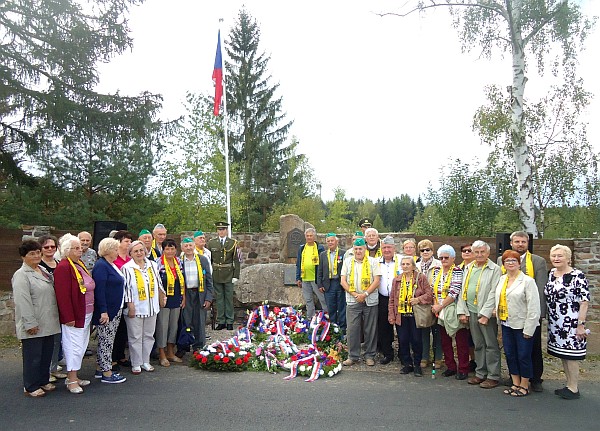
424,318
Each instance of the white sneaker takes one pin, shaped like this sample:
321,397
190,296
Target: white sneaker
147,367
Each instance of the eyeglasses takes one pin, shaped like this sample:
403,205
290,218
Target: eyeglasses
510,261
49,247
466,250
444,257
425,250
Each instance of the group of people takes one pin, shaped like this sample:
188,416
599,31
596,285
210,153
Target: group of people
431,303
139,293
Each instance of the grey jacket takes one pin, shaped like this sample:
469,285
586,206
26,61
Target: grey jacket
540,275
486,301
35,303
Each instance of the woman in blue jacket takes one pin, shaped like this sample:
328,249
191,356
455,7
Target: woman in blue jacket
108,305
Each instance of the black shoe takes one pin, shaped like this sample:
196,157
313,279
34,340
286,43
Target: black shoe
116,369
537,387
461,376
567,394
88,352
124,363
472,366
418,372
558,391
385,360
180,353
220,327
448,373
230,327
406,369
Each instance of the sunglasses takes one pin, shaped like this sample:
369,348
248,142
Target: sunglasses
466,250
425,250
49,247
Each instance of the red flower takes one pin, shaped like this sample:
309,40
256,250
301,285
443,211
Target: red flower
238,361
276,310
245,359
217,358
226,359
294,358
204,360
327,338
237,349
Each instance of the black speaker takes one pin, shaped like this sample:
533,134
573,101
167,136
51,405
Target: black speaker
103,228
502,243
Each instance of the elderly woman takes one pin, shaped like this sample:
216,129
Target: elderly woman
447,286
426,264
144,295
409,288
124,237
36,319
409,248
568,297
74,288
518,311
467,255
108,298
169,269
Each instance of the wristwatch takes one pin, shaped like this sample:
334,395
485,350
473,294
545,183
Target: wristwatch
366,293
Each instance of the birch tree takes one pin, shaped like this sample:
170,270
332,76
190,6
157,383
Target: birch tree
525,30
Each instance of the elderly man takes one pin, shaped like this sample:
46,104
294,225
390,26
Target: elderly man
89,255
226,271
200,243
361,276
328,280
198,290
146,238
307,266
476,307
159,234
373,243
389,263
535,267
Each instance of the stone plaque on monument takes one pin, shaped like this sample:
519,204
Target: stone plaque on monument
289,275
295,238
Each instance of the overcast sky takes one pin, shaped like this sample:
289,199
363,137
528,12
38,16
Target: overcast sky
379,104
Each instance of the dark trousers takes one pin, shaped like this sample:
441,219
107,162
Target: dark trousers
518,352
194,316
335,297
462,349
385,331
409,337
536,355
118,352
37,354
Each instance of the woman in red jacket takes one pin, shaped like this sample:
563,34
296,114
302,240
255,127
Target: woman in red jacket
74,288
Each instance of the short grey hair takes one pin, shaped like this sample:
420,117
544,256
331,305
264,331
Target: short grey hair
446,248
479,243
65,243
310,230
159,226
107,245
133,244
371,229
563,248
412,261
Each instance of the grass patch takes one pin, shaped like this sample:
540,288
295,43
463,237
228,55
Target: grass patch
8,341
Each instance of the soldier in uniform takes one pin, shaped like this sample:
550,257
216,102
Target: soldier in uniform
226,271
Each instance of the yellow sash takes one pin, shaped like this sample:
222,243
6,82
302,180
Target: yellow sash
466,286
405,294
82,287
200,273
365,275
502,303
171,277
141,286
333,271
447,281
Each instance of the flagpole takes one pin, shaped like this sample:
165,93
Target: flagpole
226,141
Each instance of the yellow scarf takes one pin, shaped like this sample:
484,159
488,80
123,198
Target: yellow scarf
200,273
141,286
405,294
200,251
528,265
82,288
378,253
309,252
171,277
153,249
502,303
365,276
333,271
447,280
466,286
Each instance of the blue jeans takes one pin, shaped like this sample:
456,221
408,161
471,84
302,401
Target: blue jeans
335,297
409,336
517,349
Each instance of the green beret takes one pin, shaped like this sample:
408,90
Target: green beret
144,232
360,242
198,233
359,233
330,234
187,240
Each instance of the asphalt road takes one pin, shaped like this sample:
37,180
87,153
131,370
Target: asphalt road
181,398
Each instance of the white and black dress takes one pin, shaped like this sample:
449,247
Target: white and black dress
564,295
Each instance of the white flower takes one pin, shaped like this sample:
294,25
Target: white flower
231,355
262,358
321,372
212,349
330,374
336,330
242,353
302,368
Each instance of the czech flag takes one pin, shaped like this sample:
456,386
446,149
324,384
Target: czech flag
218,76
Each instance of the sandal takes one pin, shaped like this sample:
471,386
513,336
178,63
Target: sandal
519,392
77,389
165,362
509,391
38,393
175,359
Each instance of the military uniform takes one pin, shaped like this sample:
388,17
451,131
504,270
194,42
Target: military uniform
225,267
